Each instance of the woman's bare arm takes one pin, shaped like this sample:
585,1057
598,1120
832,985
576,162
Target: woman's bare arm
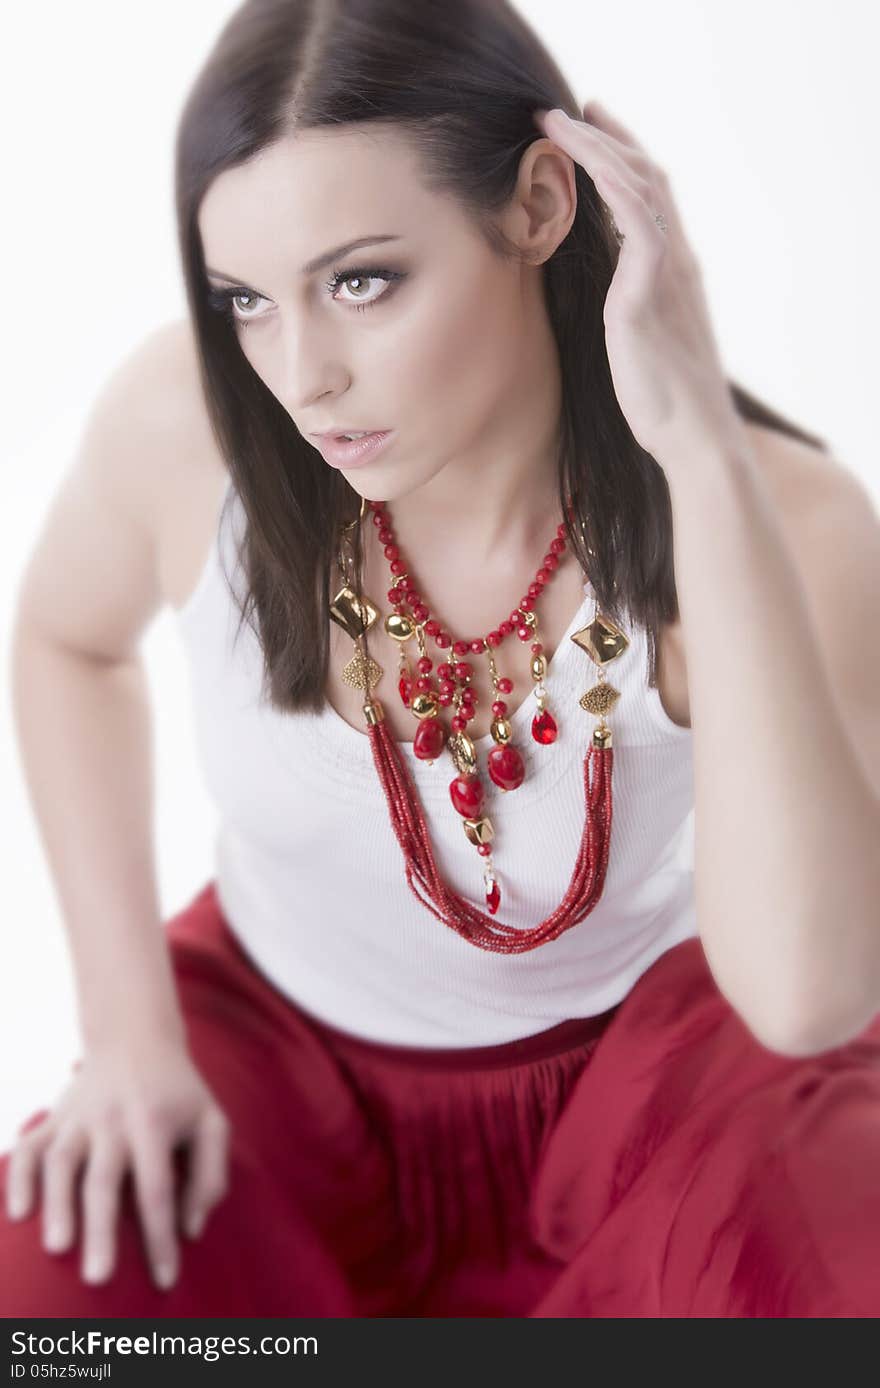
80,693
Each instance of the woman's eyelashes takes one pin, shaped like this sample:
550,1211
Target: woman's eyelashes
224,300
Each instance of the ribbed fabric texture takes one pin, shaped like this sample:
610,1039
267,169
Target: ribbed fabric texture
311,877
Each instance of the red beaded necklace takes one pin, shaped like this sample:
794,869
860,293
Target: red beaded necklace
602,640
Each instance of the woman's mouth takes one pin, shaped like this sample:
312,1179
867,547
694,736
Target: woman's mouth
344,453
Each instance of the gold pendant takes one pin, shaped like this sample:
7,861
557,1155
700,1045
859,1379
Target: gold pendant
600,699
361,674
602,640
354,616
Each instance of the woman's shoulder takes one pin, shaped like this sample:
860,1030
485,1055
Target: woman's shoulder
191,476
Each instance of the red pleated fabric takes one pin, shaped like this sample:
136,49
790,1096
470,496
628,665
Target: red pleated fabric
654,1161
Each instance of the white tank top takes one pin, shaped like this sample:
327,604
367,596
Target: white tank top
310,876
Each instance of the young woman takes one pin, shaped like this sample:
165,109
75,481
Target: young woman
463,1024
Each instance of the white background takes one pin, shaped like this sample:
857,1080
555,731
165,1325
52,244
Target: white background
764,114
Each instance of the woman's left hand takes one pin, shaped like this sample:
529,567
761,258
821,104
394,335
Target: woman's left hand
664,360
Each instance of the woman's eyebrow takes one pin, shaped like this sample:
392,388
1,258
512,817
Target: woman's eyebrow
312,266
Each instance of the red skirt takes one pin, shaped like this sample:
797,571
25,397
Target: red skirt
653,1161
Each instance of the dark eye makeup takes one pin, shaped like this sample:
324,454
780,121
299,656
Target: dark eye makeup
222,300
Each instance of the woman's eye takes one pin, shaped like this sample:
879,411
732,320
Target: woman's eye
245,294
225,301
357,281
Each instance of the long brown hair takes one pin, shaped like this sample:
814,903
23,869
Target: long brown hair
462,78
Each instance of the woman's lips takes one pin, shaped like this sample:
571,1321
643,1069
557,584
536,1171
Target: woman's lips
344,453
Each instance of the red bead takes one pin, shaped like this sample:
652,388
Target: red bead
524,633
429,739
514,618
422,613
499,708
468,695
444,671
535,590
459,723
527,604
506,766
494,638
386,536
493,898
405,688
397,566
423,684
544,727
394,597
443,639
507,627
477,646
484,849
391,551
432,627
504,685
536,648
445,697
424,664
466,793
378,517
560,530
551,562
557,546
542,577
462,648
463,670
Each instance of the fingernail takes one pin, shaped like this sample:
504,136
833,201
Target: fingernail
55,1238
165,1274
195,1224
16,1206
95,1268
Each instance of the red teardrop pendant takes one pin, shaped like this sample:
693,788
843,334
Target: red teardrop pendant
544,727
404,686
493,898
466,793
506,767
429,739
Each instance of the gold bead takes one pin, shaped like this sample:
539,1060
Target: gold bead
463,753
479,830
399,627
501,730
425,706
539,667
374,712
602,737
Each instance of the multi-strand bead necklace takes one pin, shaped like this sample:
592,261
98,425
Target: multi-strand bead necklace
427,693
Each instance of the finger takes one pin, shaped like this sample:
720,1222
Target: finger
207,1178
593,152
61,1162
21,1168
597,115
154,1191
100,1205
644,244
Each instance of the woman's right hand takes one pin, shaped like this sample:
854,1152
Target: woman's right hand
126,1107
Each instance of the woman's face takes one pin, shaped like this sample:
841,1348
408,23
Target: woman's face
438,338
